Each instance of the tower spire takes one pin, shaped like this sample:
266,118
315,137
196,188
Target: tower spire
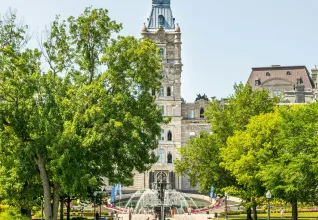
161,15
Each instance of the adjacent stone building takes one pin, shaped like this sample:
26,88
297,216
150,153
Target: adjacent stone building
187,118
293,84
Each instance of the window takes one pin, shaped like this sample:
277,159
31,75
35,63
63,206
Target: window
162,91
153,92
169,136
192,113
169,158
168,91
257,82
268,74
202,113
161,153
161,20
288,73
162,138
192,135
277,92
299,81
162,53
162,110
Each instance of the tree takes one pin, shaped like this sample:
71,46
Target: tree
198,161
90,115
290,171
241,157
225,119
277,151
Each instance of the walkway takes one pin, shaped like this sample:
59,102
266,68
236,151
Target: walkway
176,217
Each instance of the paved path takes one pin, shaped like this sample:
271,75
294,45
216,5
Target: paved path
176,217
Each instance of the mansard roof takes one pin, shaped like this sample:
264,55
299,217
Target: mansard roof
288,73
161,8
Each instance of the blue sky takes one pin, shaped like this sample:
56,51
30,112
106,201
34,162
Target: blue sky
222,39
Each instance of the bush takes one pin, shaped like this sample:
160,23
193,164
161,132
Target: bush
11,214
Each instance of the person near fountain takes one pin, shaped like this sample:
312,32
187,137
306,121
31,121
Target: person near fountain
189,210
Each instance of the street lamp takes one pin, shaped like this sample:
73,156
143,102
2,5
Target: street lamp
226,195
268,197
95,194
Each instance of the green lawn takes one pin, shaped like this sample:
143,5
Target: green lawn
277,215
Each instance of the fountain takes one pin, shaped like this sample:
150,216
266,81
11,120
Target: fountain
162,199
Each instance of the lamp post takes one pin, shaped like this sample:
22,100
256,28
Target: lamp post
95,194
226,195
268,197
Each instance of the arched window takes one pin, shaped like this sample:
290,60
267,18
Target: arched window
162,91
268,74
202,113
169,158
161,20
288,73
162,53
168,91
161,153
169,136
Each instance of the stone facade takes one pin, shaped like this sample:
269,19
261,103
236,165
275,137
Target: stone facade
293,84
187,120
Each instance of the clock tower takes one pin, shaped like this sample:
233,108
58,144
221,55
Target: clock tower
163,31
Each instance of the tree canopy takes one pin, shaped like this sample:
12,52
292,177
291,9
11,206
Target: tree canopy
88,116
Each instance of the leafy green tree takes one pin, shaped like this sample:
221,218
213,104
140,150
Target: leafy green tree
290,169
279,152
89,116
201,158
241,158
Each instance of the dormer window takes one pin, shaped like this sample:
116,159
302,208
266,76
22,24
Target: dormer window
161,20
288,73
268,74
257,82
202,113
299,81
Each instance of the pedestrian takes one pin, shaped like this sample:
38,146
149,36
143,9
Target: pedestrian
97,216
282,213
189,210
116,214
172,212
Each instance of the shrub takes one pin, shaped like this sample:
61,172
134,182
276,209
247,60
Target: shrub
79,218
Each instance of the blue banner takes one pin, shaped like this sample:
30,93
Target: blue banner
113,195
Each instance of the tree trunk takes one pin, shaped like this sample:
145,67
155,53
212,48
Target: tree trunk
254,209
61,208
51,209
26,212
56,199
249,213
294,210
68,208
